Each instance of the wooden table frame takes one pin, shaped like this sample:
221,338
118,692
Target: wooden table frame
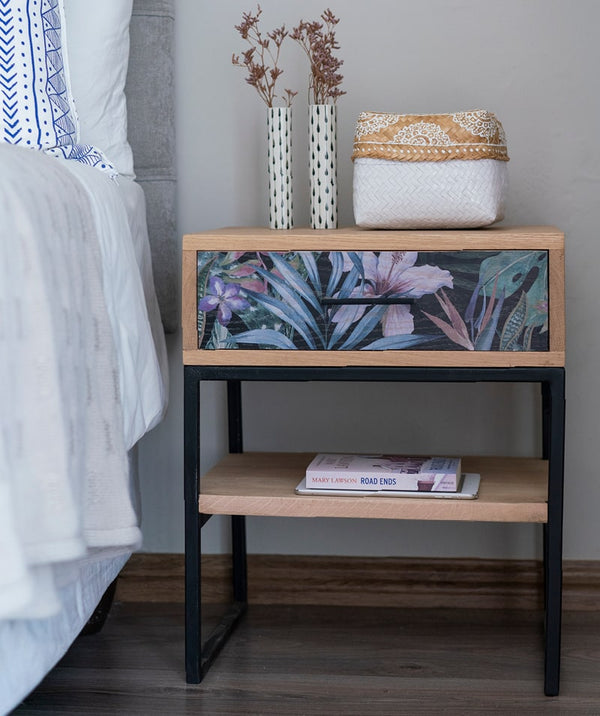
543,505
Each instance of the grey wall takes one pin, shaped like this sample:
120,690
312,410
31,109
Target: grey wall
534,63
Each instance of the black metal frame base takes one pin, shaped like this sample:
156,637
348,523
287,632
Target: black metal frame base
199,655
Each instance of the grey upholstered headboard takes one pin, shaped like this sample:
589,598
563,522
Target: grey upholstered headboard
151,129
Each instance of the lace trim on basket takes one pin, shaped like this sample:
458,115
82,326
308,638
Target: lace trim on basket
434,137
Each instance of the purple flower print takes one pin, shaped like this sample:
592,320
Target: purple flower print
393,273
224,297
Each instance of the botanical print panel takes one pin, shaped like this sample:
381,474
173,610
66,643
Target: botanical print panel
366,300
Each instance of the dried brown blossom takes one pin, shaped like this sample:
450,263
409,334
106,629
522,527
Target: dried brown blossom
261,60
317,39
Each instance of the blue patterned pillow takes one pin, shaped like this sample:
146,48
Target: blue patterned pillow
36,104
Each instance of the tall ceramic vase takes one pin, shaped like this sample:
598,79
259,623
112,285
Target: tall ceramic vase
322,166
279,157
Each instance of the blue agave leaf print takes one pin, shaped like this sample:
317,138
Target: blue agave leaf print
311,269
265,337
337,269
366,324
291,299
357,261
296,281
398,342
284,312
349,283
351,313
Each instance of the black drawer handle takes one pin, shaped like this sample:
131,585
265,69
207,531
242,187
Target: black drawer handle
375,301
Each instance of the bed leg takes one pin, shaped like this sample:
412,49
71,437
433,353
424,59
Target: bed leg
96,621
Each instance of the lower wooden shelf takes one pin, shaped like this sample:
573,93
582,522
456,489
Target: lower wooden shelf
262,484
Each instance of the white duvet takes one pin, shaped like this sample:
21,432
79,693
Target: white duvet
82,370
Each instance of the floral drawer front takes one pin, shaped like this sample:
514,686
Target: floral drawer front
365,300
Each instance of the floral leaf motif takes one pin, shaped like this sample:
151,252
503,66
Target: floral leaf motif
337,268
265,337
458,324
205,261
297,309
352,314
527,337
484,340
489,309
312,270
398,342
343,316
537,302
510,269
470,310
357,261
514,325
219,338
363,327
296,281
347,288
451,332
285,313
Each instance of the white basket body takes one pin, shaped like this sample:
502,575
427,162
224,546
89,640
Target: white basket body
455,194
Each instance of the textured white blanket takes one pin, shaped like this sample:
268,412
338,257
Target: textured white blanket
64,482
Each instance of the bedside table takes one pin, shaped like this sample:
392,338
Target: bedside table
353,305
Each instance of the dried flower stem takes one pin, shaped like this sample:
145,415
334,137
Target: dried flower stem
261,60
317,39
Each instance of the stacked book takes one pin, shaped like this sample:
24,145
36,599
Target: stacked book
388,475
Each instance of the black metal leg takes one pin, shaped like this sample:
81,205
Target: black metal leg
553,531
234,415
198,655
238,522
546,414
193,633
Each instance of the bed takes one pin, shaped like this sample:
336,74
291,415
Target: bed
87,290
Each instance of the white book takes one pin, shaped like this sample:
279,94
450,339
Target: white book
384,472
468,490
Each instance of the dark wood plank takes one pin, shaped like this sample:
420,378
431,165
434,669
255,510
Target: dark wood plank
326,660
365,581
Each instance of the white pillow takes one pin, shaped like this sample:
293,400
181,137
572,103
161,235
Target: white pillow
36,103
98,41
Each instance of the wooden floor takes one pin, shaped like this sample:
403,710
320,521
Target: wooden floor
322,660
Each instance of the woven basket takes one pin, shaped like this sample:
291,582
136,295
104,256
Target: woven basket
429,171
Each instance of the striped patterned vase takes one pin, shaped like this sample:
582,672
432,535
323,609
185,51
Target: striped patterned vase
279,158
322,129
